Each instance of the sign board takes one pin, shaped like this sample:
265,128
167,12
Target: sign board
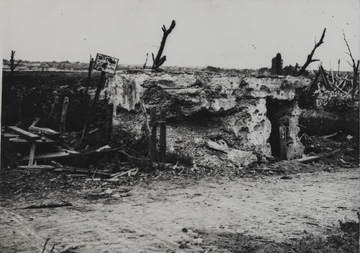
106,63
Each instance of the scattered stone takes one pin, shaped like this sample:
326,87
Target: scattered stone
108,191
199,142
241,158
220,147
197,241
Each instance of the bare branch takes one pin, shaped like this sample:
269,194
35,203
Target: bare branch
17,64
355,81
309,58
349,53
159,60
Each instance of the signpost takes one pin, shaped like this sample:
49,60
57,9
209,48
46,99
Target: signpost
106,64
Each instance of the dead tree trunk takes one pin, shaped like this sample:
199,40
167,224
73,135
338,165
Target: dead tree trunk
159,60
144,66
12,65
355,67
309,58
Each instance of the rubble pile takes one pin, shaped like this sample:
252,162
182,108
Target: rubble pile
330,103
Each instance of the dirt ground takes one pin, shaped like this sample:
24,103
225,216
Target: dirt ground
176,214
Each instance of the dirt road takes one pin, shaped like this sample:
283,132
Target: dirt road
167,216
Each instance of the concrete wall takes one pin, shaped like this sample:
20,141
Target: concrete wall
238,102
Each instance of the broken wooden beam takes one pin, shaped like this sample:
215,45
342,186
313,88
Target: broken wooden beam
315,158
308,159
48,155
74,170
43,167
56,99
24,133
42,130
329,136
42,140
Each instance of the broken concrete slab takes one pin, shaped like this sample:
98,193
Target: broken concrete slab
237,105
241,158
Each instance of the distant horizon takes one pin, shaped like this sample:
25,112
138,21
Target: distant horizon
164,67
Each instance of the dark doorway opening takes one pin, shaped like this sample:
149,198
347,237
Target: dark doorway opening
276,112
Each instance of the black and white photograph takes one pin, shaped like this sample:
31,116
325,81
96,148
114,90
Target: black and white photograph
187,126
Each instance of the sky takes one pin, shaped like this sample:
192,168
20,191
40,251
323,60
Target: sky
240,34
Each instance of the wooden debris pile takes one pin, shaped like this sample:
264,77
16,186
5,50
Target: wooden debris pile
334,83
26,146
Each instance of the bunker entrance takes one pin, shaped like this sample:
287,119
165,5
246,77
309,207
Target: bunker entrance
278,113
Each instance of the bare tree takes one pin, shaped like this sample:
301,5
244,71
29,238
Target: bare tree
144,66
309,58
355,66
12,64
159,60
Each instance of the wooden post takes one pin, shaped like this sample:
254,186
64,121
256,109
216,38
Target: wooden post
153,155
63,115
163,135
108,126
56,99
32,153
96,98
91,63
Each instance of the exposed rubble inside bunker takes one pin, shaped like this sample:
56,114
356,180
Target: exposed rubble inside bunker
236,119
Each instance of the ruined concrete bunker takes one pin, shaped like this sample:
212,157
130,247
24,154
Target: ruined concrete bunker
247,113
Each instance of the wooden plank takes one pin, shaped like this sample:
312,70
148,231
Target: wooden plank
44,167
43,130
7,135
48,155
24,133
82,171
42,140
309,159
316,158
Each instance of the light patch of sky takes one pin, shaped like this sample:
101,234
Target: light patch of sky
221,33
